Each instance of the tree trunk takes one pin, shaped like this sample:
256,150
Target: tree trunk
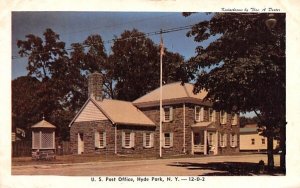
282,147
270,153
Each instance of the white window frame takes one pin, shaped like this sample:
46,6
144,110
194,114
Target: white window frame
211,115
233,140
148,140
223,140
170,114
125,139
223,117
234,119
171,140
100,139
199,113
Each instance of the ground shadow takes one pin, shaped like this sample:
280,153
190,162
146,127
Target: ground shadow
229,168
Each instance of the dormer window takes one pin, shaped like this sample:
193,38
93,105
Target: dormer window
168,113
199,113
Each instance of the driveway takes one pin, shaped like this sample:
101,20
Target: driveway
208,165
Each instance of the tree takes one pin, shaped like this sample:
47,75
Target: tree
248,120
24,108
244,68
62,77
135,65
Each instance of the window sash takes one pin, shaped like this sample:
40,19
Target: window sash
168,140
168,114
128,139
199,113
233,140
223,140
148,139
234,119
223,117
100,139
211,115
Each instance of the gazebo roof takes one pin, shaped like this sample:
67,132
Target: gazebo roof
43,124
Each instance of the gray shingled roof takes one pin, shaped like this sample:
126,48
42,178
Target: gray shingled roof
171,92
123,112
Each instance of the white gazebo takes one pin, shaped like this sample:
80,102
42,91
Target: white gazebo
43,140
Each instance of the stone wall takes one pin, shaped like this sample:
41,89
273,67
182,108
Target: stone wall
176,126
90,127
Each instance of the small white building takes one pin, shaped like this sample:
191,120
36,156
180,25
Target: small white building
251,140
43,140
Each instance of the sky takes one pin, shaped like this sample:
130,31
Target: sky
77,26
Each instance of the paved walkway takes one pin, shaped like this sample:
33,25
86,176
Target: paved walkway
210,165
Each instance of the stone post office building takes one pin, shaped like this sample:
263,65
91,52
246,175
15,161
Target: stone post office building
190,125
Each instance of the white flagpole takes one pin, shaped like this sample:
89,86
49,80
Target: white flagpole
160,96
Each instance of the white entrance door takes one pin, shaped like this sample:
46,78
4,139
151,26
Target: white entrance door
212,139
80,143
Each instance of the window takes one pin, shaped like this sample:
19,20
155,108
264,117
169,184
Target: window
223,140
100,139
234,119
233,140
223,117
168,113
199,113
127,139
252,141
263,141
168,140
148,140
211,115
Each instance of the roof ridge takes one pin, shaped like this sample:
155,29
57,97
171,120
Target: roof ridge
173,83
116,100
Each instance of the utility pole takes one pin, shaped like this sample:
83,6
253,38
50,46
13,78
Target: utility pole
160,96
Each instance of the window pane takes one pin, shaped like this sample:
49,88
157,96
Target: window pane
147,141
167,139
167,113
127,139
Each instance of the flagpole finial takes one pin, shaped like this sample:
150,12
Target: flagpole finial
43,117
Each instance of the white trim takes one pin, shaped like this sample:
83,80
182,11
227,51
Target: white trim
223,120
205,142
131,139
82,108
170,114
171,139
151,139
234,119
199,116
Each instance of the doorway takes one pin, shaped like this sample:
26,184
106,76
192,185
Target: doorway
80,143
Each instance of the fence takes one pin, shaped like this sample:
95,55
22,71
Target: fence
23,148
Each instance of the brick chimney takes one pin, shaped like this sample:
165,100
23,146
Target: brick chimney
95,86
